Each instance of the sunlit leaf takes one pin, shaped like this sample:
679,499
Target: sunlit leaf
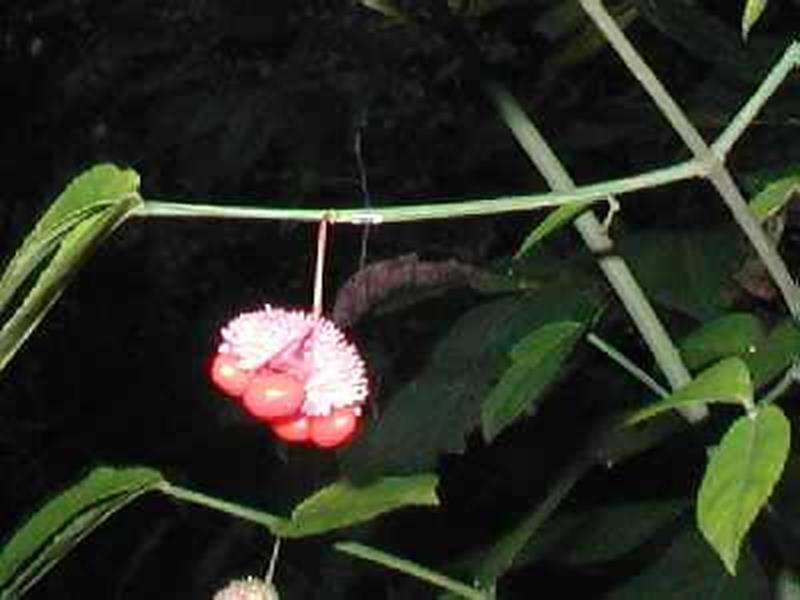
345,503
728,381
56,528
739,479
537,362
732,334
776,194
554,221
387,8
752,13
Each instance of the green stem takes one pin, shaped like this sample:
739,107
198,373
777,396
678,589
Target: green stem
598,242
789,378
716,172
789,61
627,364
411,568
500,557
609,445
271,522
432,210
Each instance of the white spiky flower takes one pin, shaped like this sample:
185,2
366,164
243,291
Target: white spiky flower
249,588
313,349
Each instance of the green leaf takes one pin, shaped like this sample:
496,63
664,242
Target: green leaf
732,334
56,528
76,247
344,503
537,362
585,43
689,569
98,188
433,413
554,221
739,479
752,13
787,585
774,354
676,268
776,194
728,381
102,185
388,8
601,534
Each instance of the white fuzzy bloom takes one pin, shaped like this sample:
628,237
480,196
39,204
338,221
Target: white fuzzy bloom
312,349
249,588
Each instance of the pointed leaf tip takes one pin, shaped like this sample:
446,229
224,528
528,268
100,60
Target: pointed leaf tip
739,480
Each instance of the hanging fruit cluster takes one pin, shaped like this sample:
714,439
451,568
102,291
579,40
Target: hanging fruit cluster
294,371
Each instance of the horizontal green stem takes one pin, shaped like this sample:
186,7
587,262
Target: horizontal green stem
411,568
271,522
421,212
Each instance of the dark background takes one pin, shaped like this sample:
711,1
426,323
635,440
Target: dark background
259,103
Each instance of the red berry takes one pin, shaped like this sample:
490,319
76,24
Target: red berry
292,429
335,429
273,395
227,375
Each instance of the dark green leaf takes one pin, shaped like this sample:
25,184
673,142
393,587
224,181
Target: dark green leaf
787,585
432,414
73,251
58,526
537,361
689,569
96,189
601,534
676,268
774,354
739,479
102,185
733,334
345,503
727,381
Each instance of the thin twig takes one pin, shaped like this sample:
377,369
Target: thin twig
319,271
790,60
618,357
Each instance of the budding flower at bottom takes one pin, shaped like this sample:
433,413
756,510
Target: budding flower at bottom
248,588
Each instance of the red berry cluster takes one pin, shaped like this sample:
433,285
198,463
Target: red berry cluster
294,372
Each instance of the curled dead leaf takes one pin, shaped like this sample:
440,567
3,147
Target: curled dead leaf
387,280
